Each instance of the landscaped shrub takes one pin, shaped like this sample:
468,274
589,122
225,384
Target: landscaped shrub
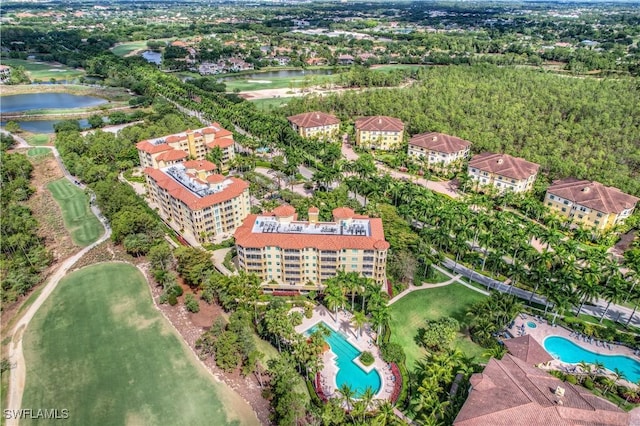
571,379
308,311
172,299
366,358
315,399
176,290
191,303
588,383
393,353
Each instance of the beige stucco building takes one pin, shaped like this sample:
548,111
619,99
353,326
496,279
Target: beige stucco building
287,253
438,149
502,172
589,203
315,124
379,132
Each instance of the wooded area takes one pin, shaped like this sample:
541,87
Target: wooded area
582,127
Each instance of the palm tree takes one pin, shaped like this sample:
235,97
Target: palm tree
347,394
379,318
497,352
385,415
611,382
614,291
333,297
359,320
367,398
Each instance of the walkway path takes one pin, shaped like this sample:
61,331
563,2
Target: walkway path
218,261
427,286
445,188
17,376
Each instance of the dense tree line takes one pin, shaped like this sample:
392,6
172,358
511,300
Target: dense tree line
23,255
585,128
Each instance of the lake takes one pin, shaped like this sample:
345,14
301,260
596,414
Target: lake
153,57
44,126
278,74
31,101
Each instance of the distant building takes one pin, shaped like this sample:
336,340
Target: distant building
197,200
438,149
315,124
589,203
512,392
195,144
287,252
503,172
345,60
379,132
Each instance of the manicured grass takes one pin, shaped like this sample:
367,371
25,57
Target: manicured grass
84,226
269,104
257,83
393,67
38,152
37,139
410,313
126,48
44,71
98,348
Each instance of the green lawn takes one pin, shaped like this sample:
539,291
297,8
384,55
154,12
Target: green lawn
38,139
257,83
393,67
84,226
38,152
269,104
410,313
100,349
126,48
44,71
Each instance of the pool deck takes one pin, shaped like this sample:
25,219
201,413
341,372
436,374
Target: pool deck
544,330
366,342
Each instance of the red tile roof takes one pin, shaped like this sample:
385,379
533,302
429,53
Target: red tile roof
235,189
175,138
313,119
527,349
439,142
510,392
221,143
284,211
205,165
504,165
215,178
246,238
379,123
594,195
150,148
173,155
343,213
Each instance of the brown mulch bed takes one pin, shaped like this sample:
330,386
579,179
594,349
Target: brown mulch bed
191,326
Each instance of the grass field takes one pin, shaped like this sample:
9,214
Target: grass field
98,348
44,71
84,226
37,139
38,152
126,48
254,83
410,313
269,104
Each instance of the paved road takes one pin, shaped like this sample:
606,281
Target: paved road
17,374
615,312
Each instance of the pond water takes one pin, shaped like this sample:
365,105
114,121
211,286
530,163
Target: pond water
31,101
153,57
44,126
279,74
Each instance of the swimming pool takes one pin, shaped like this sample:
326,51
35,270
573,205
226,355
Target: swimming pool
531,324
569,352
348,371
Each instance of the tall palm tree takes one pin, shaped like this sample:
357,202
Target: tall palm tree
334,298
367,398
347,394
385,415
614,291
359,320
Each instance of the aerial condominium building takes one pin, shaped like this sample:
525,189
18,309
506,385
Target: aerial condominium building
192,144
589,203
437,149
196,199
379,132
315,124
502,172
286,252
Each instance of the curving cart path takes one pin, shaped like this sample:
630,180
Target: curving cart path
18,373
